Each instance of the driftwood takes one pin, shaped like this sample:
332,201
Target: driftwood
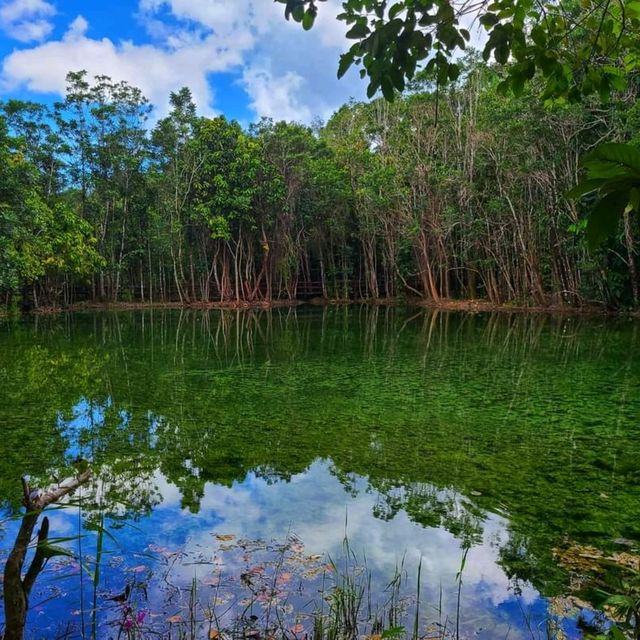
16,587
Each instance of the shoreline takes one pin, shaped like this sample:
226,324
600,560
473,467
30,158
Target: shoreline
463,306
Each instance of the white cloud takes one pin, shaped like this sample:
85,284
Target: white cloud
227,17
27,20
315,507
156,71
276,97
287,73
77,28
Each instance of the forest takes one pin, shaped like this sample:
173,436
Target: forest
446,193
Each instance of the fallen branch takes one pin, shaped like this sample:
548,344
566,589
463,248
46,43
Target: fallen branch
16,588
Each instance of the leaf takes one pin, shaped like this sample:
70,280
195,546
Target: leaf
283,579
346,60
606,170
393,632
488,20
502,53
615,153
51,550
453,71
603,220
298,12
616,634
502,87
65,539
174,619
225,536
584,187
395,10
539,35
619,601
358,31
308,19
387,89
517,84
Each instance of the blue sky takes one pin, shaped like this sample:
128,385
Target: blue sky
239,57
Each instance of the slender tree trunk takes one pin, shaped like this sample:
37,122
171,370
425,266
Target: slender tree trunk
631,258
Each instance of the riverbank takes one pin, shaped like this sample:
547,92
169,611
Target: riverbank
484,306
141,306
466,306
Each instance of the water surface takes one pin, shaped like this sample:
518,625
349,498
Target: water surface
420,434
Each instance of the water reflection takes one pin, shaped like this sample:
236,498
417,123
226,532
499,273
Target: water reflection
316,509
507,435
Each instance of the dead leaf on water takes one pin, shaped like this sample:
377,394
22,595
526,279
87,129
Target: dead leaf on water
174,619
283,578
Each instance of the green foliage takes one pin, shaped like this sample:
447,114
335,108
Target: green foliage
378,202
37,239
576,49
226,183
561,42
613,174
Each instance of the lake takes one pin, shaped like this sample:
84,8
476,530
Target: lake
255,461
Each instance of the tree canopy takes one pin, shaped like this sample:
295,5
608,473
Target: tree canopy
450,193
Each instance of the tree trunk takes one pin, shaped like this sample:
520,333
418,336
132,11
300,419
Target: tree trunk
16,588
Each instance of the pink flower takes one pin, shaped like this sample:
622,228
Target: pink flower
140,617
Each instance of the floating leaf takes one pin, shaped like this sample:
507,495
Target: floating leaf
225,536
283,578
175,619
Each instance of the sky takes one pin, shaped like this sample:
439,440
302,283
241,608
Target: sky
240,58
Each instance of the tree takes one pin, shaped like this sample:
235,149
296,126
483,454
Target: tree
37,241
178,166
104,122
224,200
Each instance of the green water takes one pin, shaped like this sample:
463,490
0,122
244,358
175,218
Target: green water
459,426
